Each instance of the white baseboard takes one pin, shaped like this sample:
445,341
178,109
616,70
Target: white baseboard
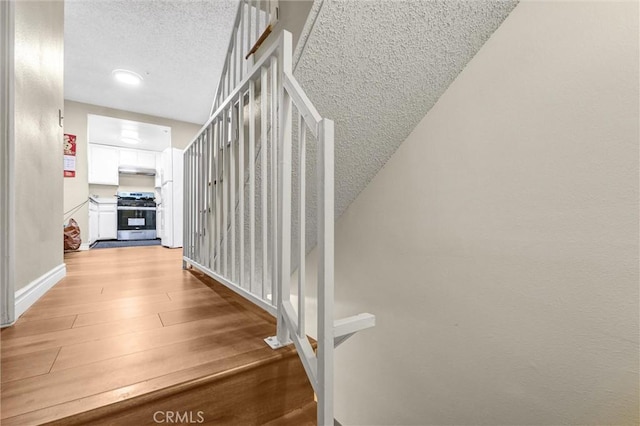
84,246
27,296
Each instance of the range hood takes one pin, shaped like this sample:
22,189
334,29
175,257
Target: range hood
134,170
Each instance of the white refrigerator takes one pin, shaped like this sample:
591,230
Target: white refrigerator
171,198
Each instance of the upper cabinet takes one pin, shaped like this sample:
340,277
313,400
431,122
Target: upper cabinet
147,159
134,147
128,157
103,164
138,158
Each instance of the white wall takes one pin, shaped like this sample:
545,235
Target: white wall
38,139
498,247
126,183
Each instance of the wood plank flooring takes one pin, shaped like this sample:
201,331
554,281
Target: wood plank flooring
128,323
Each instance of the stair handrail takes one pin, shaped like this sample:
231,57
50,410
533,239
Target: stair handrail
204,160
238,53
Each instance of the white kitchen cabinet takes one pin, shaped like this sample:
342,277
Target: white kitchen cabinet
147,159
137,158
103,219
93,221
103,164
128,157
108,226
108,222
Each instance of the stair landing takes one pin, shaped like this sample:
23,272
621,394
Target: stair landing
128,337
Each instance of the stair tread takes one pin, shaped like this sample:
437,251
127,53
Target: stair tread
303,416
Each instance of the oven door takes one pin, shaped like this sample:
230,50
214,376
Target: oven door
136,223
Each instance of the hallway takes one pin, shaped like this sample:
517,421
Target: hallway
129,326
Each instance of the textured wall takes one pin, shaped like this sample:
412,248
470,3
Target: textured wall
377,67
498,247
38,138
76,190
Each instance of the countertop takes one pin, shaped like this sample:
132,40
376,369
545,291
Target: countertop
103,200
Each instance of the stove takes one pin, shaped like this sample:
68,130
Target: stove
136,216
136,196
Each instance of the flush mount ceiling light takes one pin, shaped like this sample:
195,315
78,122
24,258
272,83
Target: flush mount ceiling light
127,77
132,141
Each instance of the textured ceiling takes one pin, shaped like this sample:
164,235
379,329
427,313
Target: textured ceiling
177,46
377,67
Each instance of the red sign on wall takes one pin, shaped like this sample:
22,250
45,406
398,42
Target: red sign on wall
69,155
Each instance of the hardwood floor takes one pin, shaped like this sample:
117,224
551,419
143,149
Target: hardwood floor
128,333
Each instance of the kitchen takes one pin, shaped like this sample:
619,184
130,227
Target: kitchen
172,88
134,184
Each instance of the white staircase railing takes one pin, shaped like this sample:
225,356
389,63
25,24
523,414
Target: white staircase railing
255,19
241,230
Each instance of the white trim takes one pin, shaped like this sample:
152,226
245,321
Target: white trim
7,164
84,246
27,296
